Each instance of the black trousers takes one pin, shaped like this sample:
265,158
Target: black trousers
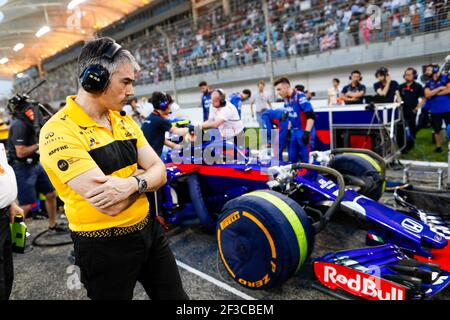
6,258
110,267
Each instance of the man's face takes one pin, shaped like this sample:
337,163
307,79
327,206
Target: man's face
356,77
282,90
244,96
335,83
215,100
261,87
429,71
409,76
204,89
381,77
120,88
134,104
167,112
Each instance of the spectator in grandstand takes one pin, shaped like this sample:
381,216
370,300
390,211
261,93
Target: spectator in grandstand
437,92
386,89
298,107
237,98
132,109
156,124
333,93
261,100
224,116
412,95
354,92
206,99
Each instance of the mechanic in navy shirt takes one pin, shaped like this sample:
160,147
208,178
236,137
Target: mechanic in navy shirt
237,98
156,124
206,99
412,95
301,119
437,92
386,89
354,92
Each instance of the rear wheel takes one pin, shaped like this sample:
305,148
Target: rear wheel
264,237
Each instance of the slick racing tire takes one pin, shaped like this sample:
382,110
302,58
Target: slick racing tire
360,170
264,237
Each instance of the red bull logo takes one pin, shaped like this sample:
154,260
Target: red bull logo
357,283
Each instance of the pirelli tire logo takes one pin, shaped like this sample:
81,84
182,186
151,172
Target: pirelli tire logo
229,220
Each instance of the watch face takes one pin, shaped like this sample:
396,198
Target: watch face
142,186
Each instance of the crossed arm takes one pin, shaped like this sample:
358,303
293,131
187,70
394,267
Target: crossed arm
112,195
440,91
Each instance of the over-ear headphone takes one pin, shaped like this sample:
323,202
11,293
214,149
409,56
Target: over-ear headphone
381,71
355,71
435,69
223,101
163,102
414,71
95,78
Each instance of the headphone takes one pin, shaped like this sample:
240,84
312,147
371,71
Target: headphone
95,77
223,101
163,102
355,71
435,69
414,71
381,71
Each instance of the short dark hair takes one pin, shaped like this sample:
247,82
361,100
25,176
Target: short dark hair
281,80
247,92
337,80
202,83
158,96
356,71
93,53
300,87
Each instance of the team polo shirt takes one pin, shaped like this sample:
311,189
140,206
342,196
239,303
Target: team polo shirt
297,106
438,104
236,101
72,143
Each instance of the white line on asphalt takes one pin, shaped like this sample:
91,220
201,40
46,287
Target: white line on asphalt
215,281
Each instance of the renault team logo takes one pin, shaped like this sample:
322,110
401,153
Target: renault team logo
63,165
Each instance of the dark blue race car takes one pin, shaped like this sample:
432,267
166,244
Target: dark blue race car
266,218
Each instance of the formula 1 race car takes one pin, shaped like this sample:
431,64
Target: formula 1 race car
266,219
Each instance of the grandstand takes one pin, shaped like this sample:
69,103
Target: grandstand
309,39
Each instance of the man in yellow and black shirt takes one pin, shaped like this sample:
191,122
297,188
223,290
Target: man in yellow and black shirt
91,151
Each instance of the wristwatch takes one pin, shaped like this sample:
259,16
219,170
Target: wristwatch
142,185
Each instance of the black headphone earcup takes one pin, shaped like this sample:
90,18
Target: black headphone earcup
94,79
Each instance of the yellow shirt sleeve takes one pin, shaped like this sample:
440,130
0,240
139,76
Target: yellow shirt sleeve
63,153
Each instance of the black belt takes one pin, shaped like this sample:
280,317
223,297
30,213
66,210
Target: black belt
4,211
113,232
